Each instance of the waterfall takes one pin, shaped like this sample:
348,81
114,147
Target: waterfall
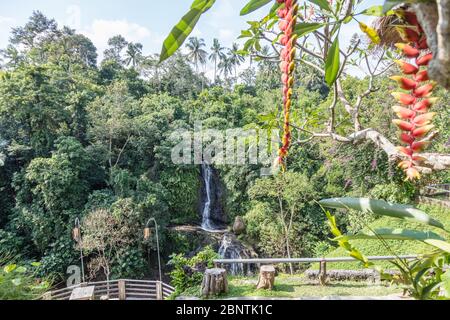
213,218
231,248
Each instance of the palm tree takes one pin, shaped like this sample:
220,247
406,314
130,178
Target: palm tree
236,58
196,52
268,64
216,54
133,54
226,66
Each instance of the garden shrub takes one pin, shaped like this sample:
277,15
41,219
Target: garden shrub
188,272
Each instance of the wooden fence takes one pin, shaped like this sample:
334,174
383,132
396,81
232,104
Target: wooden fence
118,290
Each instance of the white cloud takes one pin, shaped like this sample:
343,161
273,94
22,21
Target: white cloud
227,35
100,31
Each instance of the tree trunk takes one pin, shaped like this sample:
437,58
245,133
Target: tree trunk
266,278
435,20
214,282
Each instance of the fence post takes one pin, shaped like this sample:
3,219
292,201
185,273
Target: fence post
122,290
323,272
159,291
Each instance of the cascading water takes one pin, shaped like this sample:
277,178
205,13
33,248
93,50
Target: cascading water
213,219
207,223
231,248
228,250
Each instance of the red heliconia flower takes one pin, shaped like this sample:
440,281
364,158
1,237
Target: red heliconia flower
421,76
423,105
419,146
405,83
288,15
424,90
412,35
408,50
406,138
405,150
424,119
403,125
404,113
404,98
424,60
423,44
406,67
414,119
412,173
422,131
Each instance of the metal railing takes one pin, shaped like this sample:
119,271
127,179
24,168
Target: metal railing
118,290
219,262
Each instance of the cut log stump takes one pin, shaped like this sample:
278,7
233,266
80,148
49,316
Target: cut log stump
266,277
214,282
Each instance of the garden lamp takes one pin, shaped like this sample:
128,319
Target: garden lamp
147,235
76,235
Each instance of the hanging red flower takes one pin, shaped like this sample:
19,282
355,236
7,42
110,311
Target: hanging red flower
288,20
414,118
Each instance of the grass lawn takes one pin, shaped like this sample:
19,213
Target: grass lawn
297,286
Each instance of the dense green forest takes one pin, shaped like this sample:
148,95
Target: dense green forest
88,139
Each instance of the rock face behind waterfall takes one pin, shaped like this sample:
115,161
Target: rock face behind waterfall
211,207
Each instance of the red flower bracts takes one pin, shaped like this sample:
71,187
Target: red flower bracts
288,20
413,112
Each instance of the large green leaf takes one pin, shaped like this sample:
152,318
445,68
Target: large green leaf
427,237
393,234
303,28
382,208
184,28
440,244
376,11
323,4
333,63
253,5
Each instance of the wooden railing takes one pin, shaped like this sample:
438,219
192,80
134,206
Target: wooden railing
118,290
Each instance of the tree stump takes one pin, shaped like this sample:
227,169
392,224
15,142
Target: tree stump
266,277
214,282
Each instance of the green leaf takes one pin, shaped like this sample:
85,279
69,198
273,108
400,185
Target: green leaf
253,5
389,4
382,208
442,245
36,264
333,63
393,234
10,268
445,278
303,28
323,4
183,29
17,282
376,11
21,270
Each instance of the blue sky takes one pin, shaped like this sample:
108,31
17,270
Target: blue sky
145,21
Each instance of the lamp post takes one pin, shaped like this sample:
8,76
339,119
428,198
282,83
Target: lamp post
147,234
76,234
